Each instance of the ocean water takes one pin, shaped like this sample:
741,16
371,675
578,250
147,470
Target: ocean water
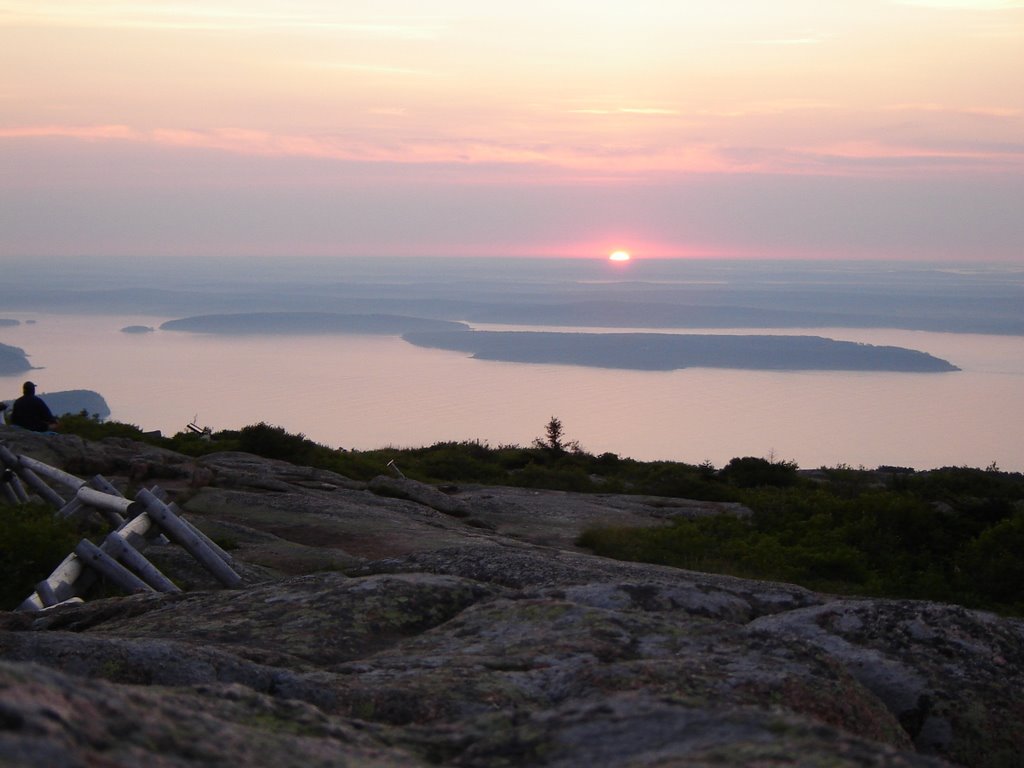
367,392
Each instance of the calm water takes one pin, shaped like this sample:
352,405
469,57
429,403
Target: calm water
372,391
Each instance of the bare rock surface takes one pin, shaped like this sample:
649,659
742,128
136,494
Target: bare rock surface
392,623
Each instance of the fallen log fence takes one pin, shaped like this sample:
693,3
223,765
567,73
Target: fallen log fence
119,559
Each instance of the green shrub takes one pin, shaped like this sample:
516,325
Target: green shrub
877,542
994,563
32,543
91,428
752,472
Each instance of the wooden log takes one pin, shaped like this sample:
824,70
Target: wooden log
107,566
66,580
100,483
138,531
182,535
45,492
19,489
31,478
114,508
8,493
214,546
51,473
116,546
73,508
104,500
31,604
46,594
7,458
161,494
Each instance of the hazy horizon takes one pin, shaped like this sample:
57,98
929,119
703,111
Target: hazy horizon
354,390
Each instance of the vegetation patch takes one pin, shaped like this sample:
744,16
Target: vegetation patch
952,534
32,543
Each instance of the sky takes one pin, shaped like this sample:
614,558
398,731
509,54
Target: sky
862,129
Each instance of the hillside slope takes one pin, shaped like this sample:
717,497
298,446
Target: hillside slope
391,623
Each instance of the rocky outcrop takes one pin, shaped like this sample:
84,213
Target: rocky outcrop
382,630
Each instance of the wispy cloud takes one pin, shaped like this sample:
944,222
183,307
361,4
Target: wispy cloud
770,107
211,18
70,132
789,41
607,161
653,111
374,69
997,112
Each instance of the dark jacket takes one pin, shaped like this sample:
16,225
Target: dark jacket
30,412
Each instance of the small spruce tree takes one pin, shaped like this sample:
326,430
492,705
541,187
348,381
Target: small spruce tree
554,438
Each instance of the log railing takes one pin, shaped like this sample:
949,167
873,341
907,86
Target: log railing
119,558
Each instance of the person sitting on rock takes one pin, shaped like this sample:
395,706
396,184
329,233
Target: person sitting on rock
30,412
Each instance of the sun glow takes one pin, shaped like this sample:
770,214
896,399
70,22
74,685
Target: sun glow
619,256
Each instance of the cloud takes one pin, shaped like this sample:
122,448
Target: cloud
973,111
221,17
790,41
586,162
372,69
71,131
653,111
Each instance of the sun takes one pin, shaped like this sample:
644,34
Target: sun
619,256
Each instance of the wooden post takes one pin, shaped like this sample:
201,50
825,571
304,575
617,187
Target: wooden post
121,550
181,534
107,566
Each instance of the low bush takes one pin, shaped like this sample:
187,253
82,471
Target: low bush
952,534
32,543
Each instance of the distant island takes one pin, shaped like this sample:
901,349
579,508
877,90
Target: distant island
137,329
309,323
75,401
13,360
7,322
666,351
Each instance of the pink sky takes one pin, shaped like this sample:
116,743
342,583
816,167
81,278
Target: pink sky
853,128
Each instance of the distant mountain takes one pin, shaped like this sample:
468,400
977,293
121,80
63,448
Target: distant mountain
6,322
308,322
137,329
13,360
666,351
